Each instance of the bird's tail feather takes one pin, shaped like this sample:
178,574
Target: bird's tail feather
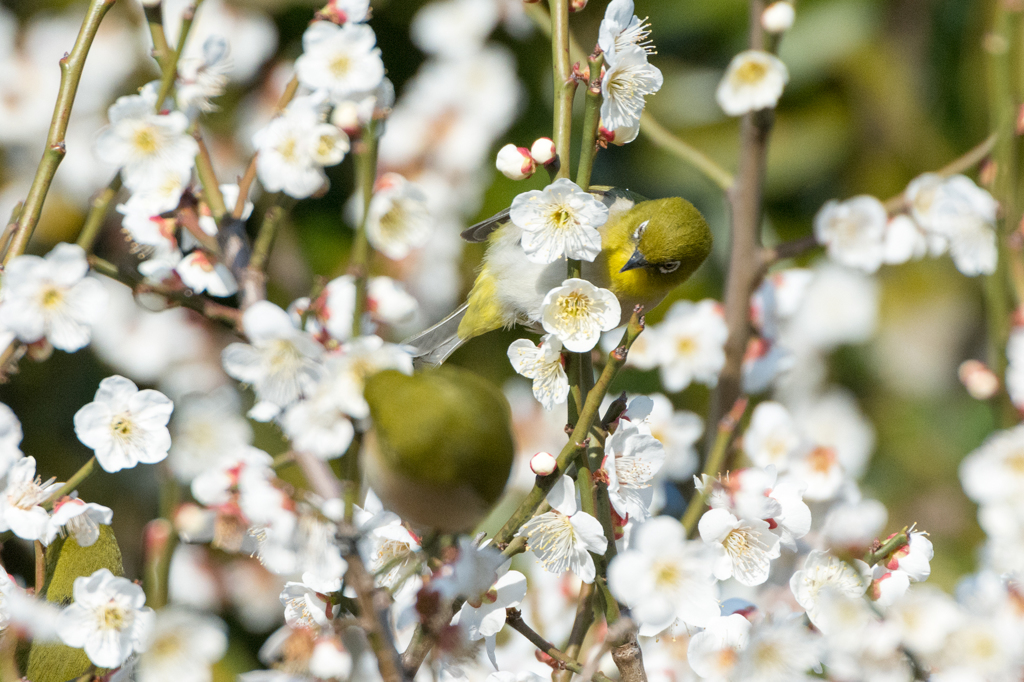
432,346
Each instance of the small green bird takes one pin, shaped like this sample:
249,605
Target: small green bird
648,248
441,449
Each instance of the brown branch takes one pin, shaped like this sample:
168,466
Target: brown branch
745,260
792,249
514,619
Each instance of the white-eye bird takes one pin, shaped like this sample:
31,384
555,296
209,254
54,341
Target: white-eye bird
441,449
648,248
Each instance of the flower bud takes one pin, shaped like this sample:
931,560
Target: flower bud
980,381
346,116
778,17
543,150
543,464
515,162
577,5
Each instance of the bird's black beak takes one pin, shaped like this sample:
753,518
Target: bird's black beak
635,261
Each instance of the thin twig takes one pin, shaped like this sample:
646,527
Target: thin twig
591,120
968,160
84,472
664,139
716,460
514,619
170,67
71,66
579,435
208,179
97,214
564,84
745,260
40,567
245,182
359,263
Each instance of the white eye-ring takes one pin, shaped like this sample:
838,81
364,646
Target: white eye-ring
640,230
666,268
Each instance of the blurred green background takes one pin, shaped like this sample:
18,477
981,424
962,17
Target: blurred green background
880,91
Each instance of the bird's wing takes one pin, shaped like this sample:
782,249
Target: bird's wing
482,230
615,198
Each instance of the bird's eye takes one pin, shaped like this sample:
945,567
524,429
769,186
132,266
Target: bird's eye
671,266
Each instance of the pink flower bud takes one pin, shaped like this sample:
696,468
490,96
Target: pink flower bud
543,464
543,151
778,17
577,5
981,382
515,162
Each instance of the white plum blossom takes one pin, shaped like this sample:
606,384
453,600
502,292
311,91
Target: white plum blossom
108,619
904,240
389,302
663,577
200,79
10,438
21,501
714,652
772,436
293,149
559,221
780,650
691,344
473,572
281,364
563,538
542,364
51,298
200,273
206,427
483,616
343,60
677,430
744,548
350,367
304,607
853,525
319,424
632,459
957,212
398,219
754,81
125,426
627,80
824,574
853,232
621,29
577,312
146,145
183,645
79,519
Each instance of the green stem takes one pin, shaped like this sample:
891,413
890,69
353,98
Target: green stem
71,67
83,473
591,121
579,435
155,21
170,66
208,179
715,463
359,263
564,84
663,138
97,214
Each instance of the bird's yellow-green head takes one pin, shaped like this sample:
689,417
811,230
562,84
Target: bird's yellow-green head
654,247
441,448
